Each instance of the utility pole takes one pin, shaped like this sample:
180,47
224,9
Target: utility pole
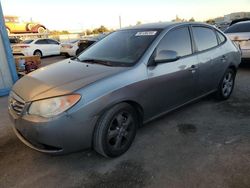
120,22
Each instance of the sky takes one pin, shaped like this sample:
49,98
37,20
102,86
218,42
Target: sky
83,14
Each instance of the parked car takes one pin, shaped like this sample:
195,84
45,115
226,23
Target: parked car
14,40
69,49
240,34
84,44
40,47
130,77
239,20
14,25
88,41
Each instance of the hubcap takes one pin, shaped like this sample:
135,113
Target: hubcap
120,130
38,54
227,84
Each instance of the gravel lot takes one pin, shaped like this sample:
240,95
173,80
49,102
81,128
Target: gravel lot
205,144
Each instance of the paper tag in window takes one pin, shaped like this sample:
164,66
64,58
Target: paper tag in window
146,33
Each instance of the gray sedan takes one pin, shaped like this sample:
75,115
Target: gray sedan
130,77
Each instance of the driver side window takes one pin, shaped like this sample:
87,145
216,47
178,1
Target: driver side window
177,40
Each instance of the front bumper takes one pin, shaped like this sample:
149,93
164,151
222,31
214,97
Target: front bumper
63,134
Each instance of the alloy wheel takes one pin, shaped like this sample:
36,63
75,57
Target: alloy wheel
120,131
227,84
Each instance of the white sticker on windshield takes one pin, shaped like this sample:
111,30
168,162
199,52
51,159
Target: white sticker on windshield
146,33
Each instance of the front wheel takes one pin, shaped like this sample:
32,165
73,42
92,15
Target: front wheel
226,85
116,130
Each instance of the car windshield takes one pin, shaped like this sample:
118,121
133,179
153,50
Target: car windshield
121,47
26,41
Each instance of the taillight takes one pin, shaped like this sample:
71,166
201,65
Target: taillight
24,46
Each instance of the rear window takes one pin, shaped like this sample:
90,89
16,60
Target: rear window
27,41
205,38
239,28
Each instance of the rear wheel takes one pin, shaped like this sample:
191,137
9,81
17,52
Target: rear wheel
41,29
116,130
38,53
226,85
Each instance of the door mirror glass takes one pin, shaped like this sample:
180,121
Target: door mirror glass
165,56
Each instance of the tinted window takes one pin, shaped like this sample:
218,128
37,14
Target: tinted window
239,28
121,47
177,40
205,38
52,41
26,41
221,37
14,40
44,41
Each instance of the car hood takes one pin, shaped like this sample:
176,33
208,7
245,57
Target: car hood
61,78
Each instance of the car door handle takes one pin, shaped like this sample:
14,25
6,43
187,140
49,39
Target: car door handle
223,58
193,68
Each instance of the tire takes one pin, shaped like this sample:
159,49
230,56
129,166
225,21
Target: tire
226,85
38,53
41,30
29,27
115,131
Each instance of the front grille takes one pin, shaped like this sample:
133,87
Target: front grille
16,103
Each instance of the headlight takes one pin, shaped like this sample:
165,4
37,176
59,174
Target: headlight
53,106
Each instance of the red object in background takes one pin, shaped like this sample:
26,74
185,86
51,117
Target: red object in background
30,66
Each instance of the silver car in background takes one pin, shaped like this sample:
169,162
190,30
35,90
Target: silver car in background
130,77
240,34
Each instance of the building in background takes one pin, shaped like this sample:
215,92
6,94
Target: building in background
236,15
224,21
230,17
8,73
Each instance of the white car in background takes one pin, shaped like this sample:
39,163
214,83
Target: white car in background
39,47
69,49
240,34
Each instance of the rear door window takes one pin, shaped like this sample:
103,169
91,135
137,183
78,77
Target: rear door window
205,38
52,41
239,28
177,40
42,41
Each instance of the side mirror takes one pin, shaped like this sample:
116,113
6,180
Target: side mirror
165,56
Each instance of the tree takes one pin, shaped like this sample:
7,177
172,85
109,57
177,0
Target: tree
192,19
177,19
138,23
210,21
88,32
102,29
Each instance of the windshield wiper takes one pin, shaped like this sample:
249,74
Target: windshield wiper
75,58
97,61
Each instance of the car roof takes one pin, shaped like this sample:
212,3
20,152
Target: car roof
163,25
242,22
